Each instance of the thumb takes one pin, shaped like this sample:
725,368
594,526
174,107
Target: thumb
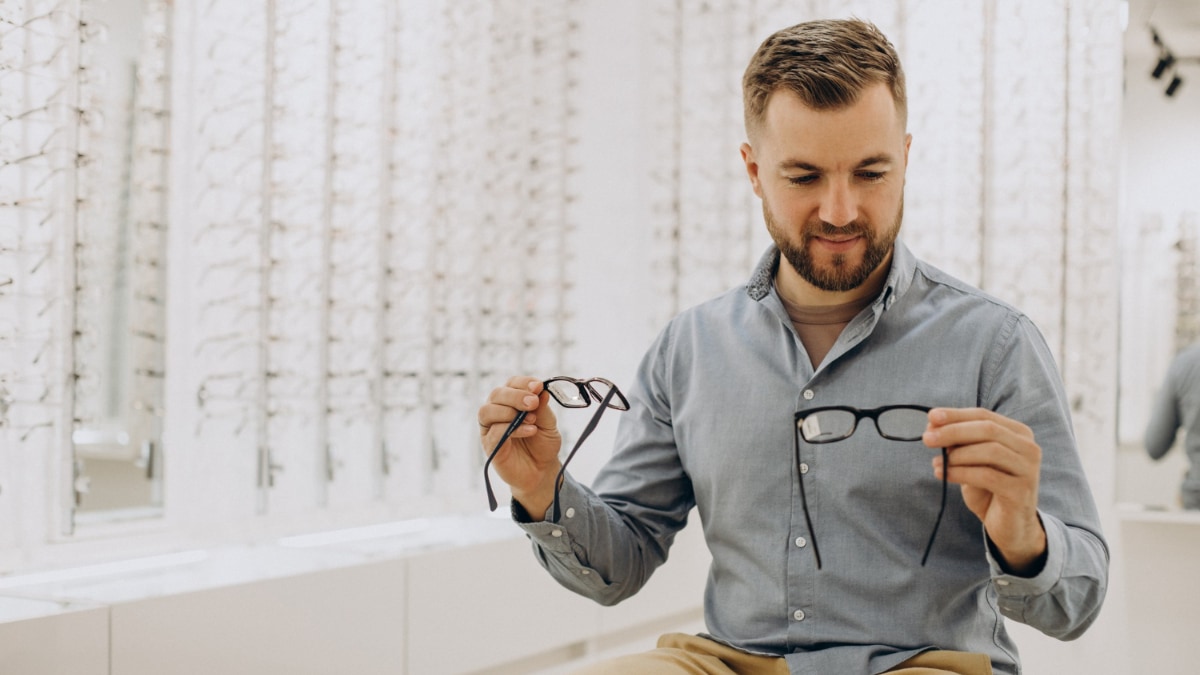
545,419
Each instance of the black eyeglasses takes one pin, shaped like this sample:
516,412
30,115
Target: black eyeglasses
570,393
837,423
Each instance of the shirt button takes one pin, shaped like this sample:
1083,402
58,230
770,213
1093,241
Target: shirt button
556,533
808,394
798,615
585,572
571,512
801,542
803,467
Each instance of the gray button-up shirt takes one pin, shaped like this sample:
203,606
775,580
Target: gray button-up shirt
712,427
1178,405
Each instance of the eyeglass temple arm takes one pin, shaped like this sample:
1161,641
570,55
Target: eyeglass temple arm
487,481
591,425
941,511
812,534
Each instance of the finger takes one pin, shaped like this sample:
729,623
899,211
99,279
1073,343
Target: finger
494,416
979,429
504,403
1006,487
939,417
525,383
993,456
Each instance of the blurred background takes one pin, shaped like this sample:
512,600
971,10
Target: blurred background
260,262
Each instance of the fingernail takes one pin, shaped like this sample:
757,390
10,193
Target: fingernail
530,401
937,416
930,437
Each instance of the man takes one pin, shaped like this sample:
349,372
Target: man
837,313
1178,405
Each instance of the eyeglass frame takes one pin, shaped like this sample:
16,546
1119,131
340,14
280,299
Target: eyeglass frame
859,414
587,392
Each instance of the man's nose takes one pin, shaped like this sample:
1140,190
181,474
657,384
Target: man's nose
839,206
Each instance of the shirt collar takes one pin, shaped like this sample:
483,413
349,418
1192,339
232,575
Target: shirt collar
904,265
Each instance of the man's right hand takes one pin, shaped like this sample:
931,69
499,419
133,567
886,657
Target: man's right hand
528,462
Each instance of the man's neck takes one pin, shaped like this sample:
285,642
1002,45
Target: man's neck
800,292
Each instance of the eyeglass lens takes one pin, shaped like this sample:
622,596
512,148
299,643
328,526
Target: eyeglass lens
568,393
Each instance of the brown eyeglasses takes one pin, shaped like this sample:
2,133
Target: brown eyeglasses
570,393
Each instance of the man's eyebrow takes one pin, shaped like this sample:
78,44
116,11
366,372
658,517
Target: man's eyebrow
875,159
798,164
801,165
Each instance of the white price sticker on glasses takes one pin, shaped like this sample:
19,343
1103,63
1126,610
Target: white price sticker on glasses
811,427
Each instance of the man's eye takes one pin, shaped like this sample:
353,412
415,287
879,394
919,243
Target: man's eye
802,180
872,176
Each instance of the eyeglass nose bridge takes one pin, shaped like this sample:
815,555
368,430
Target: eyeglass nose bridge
617,402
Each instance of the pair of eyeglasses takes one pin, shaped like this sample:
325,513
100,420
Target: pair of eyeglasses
570,393
837,423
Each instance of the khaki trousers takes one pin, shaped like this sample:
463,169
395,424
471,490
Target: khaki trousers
693,655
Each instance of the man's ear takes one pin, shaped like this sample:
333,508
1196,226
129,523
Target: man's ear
751,168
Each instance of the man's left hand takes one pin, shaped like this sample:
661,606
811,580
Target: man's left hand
997,462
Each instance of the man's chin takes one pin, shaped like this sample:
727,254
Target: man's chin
838,284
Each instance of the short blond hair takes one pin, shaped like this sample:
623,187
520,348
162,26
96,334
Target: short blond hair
827,63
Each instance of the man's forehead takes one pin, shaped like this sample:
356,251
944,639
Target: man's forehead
867,132
802,164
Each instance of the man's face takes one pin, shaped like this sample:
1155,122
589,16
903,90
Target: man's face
832,184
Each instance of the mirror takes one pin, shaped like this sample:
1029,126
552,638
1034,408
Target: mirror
1160,216
120,260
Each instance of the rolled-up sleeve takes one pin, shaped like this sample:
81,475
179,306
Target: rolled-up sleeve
1065,597
608,541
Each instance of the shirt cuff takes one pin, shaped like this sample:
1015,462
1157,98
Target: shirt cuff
557,536
1012,589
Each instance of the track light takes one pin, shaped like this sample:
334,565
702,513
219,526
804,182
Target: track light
1165,61
1174,85
1169,64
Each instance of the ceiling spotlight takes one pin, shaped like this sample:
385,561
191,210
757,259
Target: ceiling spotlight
1174,86
1165,61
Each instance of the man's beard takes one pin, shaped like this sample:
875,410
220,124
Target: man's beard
840,275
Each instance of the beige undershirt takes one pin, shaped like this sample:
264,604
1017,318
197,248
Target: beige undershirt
820,326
